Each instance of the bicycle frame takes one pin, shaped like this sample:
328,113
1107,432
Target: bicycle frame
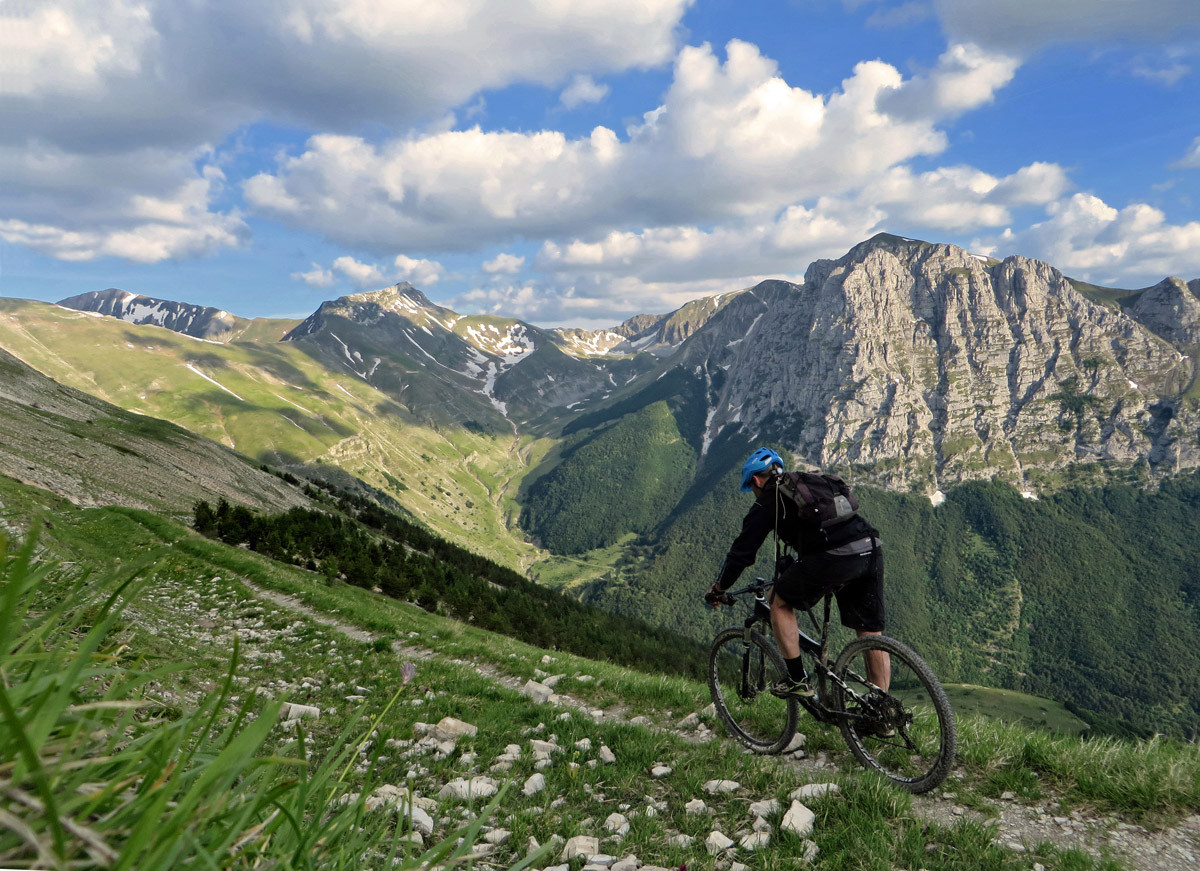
818,650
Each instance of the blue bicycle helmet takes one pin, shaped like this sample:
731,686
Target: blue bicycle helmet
760,461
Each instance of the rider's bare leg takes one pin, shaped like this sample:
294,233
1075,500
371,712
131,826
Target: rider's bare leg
783,624
879,664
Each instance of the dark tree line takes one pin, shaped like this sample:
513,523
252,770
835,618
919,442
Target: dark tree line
369,547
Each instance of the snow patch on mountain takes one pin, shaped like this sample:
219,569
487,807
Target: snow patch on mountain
214,381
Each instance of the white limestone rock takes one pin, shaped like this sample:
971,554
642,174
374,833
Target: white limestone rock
618,824
720,787
450,729
717,843
799,819
755,841
463,789
814,790
581,845
764,808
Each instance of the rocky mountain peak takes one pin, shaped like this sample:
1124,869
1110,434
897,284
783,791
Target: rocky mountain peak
200,322
925,364
1171,309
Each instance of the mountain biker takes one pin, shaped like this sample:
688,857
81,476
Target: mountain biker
845,559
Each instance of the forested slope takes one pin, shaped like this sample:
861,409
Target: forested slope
1087,596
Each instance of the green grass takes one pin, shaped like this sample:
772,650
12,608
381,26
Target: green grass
1014,707
98,771
196,596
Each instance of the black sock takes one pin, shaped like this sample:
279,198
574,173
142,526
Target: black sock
796,669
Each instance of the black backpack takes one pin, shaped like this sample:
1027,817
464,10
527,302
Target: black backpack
823,500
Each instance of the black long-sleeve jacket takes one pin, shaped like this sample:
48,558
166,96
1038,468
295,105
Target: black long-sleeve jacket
772,509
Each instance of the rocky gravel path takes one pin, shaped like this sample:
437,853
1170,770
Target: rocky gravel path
1019,827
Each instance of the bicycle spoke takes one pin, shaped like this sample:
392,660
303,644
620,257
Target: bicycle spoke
907,733
740,677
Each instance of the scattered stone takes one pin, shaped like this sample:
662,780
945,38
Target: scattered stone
476,787
546,660
738,866
1008,795
796,744
710,711
696,806
629,863
602,860
798,819
764,808
756,841
717,843
717,787
535,784
640,721
539,692
546,747
420,729
606,755
814,790
584,744
584,678
618,824
450,729
552,680
581,845
683,841
691,721
660,771
564,717
809,851
422,821
293,711
497,836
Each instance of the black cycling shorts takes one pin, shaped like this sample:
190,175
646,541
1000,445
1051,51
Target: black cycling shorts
856,582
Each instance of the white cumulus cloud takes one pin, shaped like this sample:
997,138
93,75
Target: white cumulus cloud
141,227
1087,238
142,86
729,140
583,89
503,264
364,275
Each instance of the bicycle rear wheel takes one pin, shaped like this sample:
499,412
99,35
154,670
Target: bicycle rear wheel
906,734
739,675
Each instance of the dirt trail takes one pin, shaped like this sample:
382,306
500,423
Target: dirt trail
1019,827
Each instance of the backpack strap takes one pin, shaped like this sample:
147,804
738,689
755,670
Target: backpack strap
802,489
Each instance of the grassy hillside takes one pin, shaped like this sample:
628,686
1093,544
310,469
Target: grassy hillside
280,405
92,452
385,668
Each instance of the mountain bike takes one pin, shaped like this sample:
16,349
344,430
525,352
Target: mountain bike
906,732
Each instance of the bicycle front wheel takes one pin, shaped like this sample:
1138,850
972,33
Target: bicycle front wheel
740,673
907,734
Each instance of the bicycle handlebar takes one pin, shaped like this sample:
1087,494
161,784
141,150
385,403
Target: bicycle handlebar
760,585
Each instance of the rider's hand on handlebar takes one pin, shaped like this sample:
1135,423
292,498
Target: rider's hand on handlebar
716,596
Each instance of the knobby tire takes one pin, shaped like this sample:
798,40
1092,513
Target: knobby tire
922,752
753,716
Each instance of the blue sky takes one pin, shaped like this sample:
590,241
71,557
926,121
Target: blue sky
576,163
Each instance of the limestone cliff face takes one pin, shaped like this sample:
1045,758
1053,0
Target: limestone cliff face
925,365
1170,309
